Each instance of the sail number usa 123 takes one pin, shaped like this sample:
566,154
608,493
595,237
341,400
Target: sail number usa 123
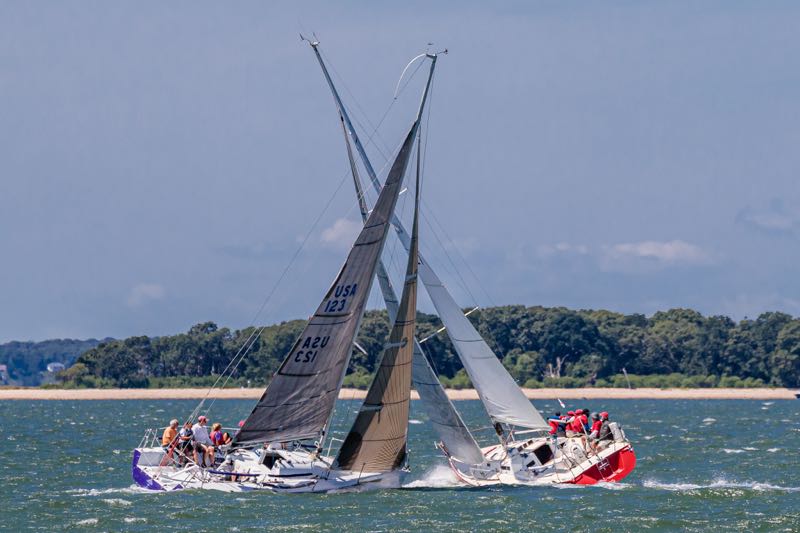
340,295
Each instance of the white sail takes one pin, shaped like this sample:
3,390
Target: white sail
500,394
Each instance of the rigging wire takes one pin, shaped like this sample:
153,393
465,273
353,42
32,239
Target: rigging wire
358,107
248,344
425,211
461,256
372,128
256,333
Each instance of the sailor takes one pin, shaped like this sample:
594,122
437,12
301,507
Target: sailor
569,424
594,432
168,441
605,428
218,437
202,442
498,428
170,433
582,420
556,425
185,441
576,427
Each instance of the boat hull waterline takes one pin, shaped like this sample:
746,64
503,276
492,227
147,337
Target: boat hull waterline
298,472
294,472
571,464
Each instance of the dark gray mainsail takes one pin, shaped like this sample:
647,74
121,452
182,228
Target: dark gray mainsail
442,414
299,400
377,440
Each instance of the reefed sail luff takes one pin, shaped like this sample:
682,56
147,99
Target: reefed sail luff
377,440
301,396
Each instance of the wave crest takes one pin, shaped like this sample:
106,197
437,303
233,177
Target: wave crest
717,484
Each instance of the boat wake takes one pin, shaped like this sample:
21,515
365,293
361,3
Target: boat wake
717,484
438,477
132,489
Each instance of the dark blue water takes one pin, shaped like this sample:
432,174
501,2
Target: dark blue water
703,465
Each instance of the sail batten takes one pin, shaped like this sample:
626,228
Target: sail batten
301,396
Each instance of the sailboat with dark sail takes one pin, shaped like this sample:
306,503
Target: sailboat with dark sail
518,459
279,446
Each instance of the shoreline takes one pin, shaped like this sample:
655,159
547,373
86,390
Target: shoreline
453,394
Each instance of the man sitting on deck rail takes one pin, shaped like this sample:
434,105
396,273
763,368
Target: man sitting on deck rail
185,443
594,433
168,440
202,442
605,428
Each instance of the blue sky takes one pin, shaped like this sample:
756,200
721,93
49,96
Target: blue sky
160,162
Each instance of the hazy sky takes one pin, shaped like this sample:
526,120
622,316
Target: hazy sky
160,162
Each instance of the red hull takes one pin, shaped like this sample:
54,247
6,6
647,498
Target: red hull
619,466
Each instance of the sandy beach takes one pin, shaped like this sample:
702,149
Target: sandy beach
348,394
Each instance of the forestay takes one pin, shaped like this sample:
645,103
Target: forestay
301,396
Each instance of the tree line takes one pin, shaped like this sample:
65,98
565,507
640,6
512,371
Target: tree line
539,346
27,361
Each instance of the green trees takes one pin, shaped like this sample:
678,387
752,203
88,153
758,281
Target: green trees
539,346
27,361
785,360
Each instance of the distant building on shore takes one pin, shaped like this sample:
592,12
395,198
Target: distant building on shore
3,375
55,367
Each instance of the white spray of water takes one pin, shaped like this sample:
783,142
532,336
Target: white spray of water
717,484
438,477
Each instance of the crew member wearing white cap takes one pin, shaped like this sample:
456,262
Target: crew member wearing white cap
202,442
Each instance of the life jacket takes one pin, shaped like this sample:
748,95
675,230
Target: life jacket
605,431
553,425
578,423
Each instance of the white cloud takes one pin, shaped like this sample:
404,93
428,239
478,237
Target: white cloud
548,250
770,221
659,252
774,219
342,234
145,292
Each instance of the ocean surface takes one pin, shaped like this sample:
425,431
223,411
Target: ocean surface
702,465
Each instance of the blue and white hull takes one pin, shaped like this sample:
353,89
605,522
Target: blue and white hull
244,470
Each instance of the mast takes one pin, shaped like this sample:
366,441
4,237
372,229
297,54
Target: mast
378,438
301,396
441,412
499,393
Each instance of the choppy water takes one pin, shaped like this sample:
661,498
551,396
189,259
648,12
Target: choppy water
702,465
